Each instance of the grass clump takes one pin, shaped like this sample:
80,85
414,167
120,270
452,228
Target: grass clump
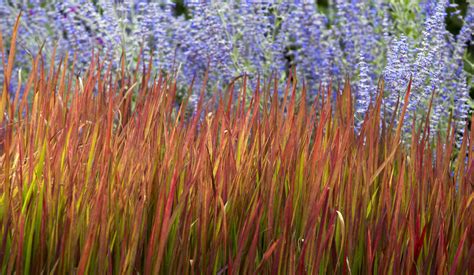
92,181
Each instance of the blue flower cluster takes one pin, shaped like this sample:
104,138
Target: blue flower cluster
436,65
358,39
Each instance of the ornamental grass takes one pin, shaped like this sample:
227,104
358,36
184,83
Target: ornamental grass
104,173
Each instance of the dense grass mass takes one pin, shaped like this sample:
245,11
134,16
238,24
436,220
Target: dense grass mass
103,174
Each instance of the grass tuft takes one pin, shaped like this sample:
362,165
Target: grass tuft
103,174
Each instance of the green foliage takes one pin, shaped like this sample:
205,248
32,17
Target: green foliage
404,13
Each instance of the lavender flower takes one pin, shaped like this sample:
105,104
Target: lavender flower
364,40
